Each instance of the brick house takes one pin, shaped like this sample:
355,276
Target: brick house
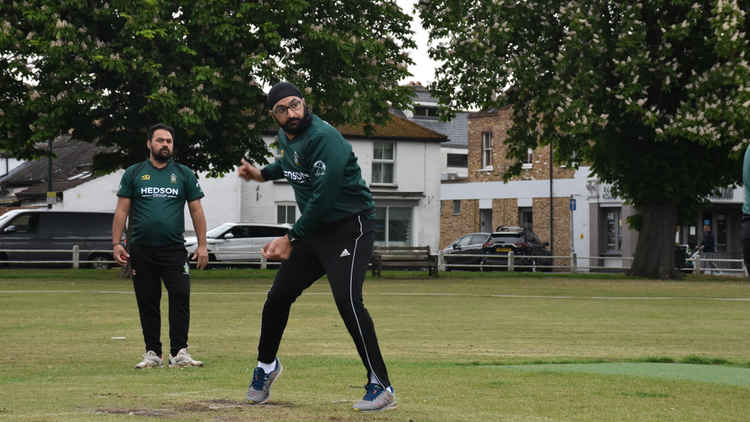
594,226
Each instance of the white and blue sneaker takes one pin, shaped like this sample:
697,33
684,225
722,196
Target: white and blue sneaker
259,390
376,399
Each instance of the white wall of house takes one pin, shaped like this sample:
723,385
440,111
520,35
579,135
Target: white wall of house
98,194
417,169
221,203
451,173
229,198
8,164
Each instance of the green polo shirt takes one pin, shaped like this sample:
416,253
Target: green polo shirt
158,196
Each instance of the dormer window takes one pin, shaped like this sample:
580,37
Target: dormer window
425,112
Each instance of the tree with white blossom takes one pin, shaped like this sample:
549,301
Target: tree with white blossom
654,95
103,71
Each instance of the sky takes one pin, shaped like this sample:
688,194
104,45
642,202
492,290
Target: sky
423,68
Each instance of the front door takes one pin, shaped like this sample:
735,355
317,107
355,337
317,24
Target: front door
485,220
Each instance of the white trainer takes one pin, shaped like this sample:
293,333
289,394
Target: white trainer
183,359
150,360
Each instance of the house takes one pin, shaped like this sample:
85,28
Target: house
7,164
453,152
400,162
570,208
534,200
27,183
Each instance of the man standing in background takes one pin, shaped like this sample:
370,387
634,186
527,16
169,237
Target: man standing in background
154,193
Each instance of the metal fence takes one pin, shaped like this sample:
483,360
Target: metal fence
99,261
705,263
697,264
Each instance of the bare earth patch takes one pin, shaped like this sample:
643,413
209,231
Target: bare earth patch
136,412
196,406
211,405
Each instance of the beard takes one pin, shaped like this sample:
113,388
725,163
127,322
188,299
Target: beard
296,126
163,155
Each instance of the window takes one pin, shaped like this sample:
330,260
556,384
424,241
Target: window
722,193
456,207
393,226
478,239
422,112
24,223
264,231
286,214
240,232
721,232
384,158
613,231
487,150
528,162
526,217
464,241
458,160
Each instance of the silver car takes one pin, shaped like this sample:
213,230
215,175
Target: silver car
237,242
470,244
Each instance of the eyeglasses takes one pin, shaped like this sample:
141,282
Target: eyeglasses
294,105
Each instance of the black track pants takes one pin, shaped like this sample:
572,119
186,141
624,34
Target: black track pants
341,251
152,265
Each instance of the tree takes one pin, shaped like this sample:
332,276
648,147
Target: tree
103,71
653,94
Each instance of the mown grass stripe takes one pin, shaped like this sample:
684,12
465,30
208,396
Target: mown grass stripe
734,376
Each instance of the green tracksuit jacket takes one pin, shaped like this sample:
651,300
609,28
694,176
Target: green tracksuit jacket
324,173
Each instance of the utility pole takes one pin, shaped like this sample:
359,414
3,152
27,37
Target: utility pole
49,173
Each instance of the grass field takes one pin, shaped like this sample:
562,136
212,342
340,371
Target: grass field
464,347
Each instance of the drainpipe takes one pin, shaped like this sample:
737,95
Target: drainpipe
551,208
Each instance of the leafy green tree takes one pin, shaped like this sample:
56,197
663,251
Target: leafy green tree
654,95
103,71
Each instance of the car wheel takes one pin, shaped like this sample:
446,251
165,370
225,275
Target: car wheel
211,261
100,262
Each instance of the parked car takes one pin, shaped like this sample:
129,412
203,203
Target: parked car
237,242
527,249
57,232
468,244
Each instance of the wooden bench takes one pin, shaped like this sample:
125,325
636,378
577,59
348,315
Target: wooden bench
403,257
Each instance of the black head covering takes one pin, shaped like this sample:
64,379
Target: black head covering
281,90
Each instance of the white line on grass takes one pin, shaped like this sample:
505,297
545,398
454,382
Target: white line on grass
433,294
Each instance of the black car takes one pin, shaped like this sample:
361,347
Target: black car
54,233
529,252
470,244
